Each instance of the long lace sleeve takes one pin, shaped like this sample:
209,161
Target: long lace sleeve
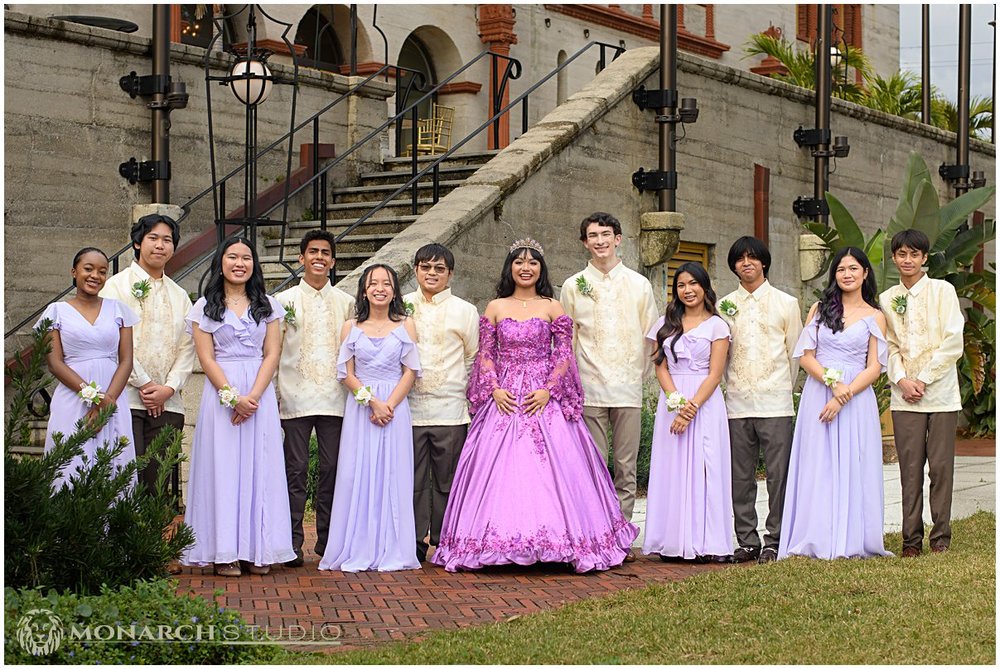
483,378
564,380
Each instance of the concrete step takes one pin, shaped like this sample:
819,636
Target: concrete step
350,244
374,194
382,224
399,177
393,208
403,164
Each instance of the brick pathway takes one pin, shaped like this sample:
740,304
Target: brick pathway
372,607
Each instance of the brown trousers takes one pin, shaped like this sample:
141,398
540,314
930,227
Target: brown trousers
297,433
144,431
626,426
435,454
930,438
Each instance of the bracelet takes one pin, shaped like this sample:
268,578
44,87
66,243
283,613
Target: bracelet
229,396
90,393
363,395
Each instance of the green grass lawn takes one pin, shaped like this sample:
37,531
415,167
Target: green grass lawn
937,609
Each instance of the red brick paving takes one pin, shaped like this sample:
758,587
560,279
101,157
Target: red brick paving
373,607
979,447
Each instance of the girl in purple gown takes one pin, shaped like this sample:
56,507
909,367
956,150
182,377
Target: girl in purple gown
237,495
91,342
371,523
833,499
530,485
689,509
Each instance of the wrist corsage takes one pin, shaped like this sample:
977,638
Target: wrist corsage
140,290
899,304
832,377
363,395
90,393
675,401
728,308
585,288
229,396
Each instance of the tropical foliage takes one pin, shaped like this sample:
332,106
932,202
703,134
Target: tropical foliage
801,65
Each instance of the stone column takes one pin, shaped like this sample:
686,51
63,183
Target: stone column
496,29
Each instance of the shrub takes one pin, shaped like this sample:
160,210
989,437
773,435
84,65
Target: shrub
98,530
142,607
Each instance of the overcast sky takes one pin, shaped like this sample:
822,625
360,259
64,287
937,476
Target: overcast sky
944,47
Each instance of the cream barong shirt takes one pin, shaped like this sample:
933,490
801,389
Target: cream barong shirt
760,372
447,343
609,336
310,345
925,343
162,352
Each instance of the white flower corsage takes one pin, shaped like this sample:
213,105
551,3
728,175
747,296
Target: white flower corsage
140,290
363,395
675,401
409,308
899,304
585,288
290,316
832,377
229,396
728,308
90,393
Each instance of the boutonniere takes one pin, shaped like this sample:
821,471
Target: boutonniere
409,308
585,288
140,290
899,304
290,316
728,308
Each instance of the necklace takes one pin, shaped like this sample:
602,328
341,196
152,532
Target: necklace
843,319
524,303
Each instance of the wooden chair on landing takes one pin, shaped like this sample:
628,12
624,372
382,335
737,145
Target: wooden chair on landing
434,133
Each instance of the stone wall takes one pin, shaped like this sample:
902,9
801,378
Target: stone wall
67,126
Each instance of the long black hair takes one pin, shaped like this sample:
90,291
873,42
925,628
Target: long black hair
215,291
831,304
505,286
397,310
672,323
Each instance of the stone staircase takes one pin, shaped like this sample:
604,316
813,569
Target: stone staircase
347,205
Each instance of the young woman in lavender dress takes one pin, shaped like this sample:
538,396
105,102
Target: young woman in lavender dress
91,340
833,499
372,524
689,509
531,485
237,500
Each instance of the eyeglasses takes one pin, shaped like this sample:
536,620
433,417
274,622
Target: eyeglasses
427,267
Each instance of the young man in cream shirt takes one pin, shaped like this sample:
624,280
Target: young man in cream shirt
164,353
612,308
765,324
447,342
309,395
925,343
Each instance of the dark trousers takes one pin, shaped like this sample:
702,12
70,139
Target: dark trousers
746,437
930,438
144,431
435,455
297,433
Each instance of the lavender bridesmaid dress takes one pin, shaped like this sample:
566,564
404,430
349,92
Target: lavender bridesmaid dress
689,507
833,498
371,523
237,500
531,488
92,352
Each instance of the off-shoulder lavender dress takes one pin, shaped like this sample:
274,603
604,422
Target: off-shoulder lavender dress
689,508
92,352
371,523
237,502
833,502
531,488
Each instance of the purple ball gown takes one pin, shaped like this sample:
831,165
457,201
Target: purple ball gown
371,523
92,352
833,498
531,488
237,501
689,508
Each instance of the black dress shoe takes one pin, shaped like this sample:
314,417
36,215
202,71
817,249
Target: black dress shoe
422,551
298,561
722,559
767,555
745,554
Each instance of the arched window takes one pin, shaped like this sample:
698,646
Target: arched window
416,56
317,34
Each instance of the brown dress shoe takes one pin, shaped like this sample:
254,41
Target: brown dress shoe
939,548
630,556
911,551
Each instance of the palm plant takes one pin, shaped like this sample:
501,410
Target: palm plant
944,114
898,95
801,65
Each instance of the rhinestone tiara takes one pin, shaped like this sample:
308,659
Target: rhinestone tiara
526,243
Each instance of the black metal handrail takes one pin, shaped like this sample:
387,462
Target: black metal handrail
434,166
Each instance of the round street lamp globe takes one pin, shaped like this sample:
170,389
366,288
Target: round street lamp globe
835,56
254,89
